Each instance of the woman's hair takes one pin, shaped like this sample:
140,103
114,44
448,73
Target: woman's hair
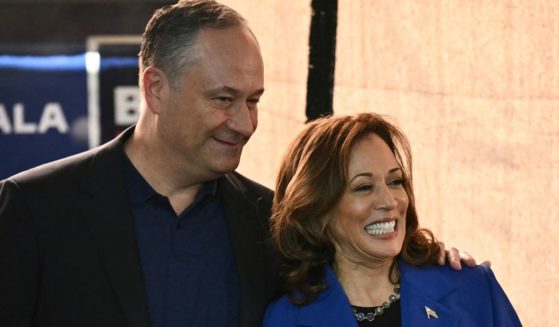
311,182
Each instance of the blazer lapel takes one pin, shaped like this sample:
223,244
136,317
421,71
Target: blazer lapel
109,218
246,222
330,309
421,291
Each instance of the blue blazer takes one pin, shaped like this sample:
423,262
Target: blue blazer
470,297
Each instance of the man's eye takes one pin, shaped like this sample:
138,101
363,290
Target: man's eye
224,99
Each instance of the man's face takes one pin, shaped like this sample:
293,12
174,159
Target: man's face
209,119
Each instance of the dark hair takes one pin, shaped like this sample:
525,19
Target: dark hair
310,184
171,32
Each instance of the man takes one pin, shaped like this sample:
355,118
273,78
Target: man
153,228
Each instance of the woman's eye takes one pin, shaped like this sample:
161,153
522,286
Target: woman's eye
364,187
397,182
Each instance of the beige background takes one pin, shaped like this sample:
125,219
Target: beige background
475,86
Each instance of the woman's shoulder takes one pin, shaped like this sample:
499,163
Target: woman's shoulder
467,272
472,292
281,303
477,278
280,313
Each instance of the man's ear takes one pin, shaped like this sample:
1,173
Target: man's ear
153,81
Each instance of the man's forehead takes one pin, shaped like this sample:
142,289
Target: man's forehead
222,37
233,47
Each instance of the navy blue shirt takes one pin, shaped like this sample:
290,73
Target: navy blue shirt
189,270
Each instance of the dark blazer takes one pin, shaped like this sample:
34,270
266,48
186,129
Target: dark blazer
471,297
68,249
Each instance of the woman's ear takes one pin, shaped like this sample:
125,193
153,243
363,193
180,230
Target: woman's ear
153,81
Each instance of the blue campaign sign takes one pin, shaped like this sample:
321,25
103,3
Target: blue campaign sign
43,110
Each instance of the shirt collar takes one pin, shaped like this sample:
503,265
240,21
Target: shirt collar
140,191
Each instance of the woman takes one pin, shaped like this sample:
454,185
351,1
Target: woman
344,218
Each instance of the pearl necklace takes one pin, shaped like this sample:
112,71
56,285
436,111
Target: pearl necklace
395,296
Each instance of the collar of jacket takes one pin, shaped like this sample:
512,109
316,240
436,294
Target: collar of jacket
417,290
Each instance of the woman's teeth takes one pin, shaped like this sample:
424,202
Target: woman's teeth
380,228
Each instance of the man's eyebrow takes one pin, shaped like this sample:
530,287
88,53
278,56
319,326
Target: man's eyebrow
231,90
258,92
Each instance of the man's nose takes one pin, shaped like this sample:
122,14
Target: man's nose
242,120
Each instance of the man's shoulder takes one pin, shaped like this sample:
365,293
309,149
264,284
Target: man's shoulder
73,165
60,171
250,189
246,184
55,181
55,168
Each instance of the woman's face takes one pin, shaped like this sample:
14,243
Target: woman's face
369,223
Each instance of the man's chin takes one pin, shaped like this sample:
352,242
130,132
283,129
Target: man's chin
225,167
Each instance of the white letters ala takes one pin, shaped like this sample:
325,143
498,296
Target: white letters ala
51,118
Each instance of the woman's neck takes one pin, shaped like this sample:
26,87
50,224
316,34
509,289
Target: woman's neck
364,285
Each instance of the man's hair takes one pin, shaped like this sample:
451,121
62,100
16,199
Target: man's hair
171,33
311,182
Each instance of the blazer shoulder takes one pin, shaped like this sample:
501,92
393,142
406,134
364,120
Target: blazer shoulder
475,290
479,276
468,278
249,184
254,190
54,170
68,171
280,313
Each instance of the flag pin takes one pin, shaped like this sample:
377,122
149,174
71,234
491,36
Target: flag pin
430,313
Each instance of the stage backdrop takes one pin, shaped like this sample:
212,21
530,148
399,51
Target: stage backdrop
43,110
55,106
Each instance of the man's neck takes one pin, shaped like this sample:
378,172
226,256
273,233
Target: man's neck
162,172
